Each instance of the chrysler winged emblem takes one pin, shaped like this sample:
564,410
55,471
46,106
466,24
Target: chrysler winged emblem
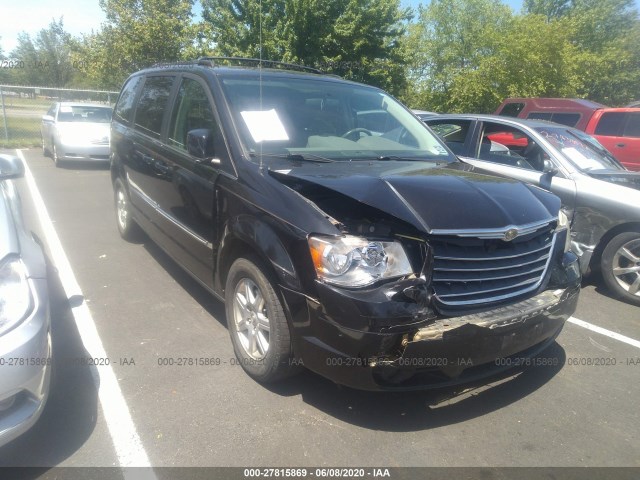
510,234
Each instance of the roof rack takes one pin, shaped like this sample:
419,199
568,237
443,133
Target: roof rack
211,62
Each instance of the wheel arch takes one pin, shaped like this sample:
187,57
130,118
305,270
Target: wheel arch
594,263
249,236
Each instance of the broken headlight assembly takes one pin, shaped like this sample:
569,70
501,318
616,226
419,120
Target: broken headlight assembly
351,261
563,224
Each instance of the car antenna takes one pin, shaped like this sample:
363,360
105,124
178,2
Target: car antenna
260,72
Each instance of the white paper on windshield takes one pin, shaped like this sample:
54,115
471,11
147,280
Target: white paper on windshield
265,125
65,109
582,161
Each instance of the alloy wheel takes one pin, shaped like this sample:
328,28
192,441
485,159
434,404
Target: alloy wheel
250,318
626,267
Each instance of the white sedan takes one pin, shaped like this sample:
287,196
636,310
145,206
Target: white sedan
76,131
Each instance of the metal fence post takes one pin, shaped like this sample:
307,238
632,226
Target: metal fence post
4,117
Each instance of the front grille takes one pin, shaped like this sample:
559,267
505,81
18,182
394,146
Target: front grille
471,270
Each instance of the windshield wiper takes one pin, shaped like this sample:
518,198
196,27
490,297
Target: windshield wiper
296,157
412,159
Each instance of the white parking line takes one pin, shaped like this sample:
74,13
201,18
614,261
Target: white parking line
604,331
123,432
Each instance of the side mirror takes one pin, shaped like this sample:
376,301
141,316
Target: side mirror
10,167
549,168
47,119
200,143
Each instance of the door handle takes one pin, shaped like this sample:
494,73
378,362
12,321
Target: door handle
161,167
620,145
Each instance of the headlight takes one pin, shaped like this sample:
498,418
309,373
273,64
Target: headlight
15,295
355,262
563,224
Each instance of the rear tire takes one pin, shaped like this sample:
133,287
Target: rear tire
128,228
620,266
257,323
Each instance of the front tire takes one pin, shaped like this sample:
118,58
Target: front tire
620,266
128,228
54,154
45,150
257,323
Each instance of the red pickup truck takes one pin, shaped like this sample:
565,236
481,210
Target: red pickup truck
617,129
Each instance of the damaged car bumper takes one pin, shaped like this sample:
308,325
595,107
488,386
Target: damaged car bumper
395,343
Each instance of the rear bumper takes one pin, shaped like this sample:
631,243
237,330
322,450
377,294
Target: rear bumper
437,353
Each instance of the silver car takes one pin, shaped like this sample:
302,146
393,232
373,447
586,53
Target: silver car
601,197
25,327
76,131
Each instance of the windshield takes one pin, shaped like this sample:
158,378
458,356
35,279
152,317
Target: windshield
319,119
82,113
584,151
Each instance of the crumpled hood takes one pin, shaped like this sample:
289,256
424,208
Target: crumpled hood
430,197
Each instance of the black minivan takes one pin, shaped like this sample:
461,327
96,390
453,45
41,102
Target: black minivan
341,233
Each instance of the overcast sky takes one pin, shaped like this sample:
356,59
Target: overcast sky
80,16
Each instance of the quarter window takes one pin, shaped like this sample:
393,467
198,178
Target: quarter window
192,111
152,105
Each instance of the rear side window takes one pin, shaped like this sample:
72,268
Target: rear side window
454,133
124,108
632,129
152,105
539,116
611,124
511,109
568,119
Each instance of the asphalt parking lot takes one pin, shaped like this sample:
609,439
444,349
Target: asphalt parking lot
579,407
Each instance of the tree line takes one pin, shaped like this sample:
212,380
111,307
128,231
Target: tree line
446,56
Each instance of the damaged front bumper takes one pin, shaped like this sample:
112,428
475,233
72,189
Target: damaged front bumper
430,353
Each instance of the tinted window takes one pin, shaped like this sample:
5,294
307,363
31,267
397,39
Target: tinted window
124,108
512,109
152,105
192,110
610,124
632,129
569,119
539,116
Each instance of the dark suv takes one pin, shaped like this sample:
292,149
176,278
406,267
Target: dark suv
339,230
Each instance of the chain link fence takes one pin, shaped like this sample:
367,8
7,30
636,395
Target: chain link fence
23,108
